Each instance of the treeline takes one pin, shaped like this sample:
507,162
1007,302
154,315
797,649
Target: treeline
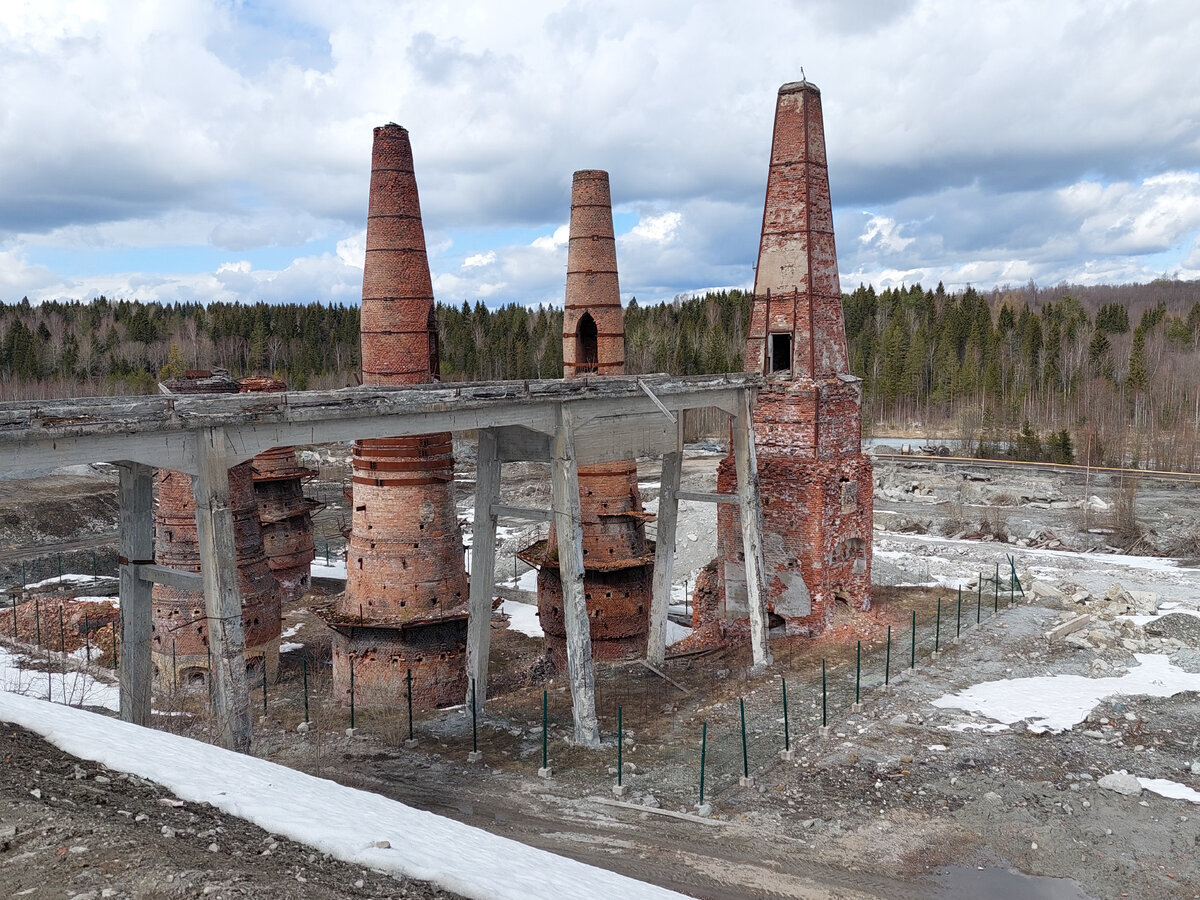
1105,375
107,347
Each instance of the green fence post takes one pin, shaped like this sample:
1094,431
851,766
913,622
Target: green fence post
937,632
264,665
787,740
857,673
958,615
545,740
174,667
996,591
824,699
912,662
620,746
745,753
408,681
703,749
979,599
887,661
304,679
351,692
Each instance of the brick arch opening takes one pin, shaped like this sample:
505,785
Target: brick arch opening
435,364
587,345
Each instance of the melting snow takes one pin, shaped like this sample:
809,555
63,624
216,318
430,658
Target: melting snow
1171,789
342,821
1056,702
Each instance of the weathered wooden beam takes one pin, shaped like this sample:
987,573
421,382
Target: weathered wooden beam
483,568
499,510
750,514
135,500
568,523
222,599
664,552
708,497
177,578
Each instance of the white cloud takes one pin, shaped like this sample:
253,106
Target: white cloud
657,229
475,260
134,123
555,241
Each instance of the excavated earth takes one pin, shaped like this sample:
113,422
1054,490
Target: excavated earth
900,799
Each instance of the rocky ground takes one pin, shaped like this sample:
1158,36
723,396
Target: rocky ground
901,798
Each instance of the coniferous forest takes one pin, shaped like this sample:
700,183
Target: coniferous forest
1106,375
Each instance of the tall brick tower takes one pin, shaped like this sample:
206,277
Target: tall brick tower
179,622
618,560
815,483
405,603
283,511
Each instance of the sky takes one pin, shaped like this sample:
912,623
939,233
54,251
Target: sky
196,150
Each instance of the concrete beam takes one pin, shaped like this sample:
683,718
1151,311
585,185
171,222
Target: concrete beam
483,567
161,430
499,510
750,513
664,551
177,578
222,599
707,497
568,524
135,495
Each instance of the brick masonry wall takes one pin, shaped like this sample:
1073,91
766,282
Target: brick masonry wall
815,483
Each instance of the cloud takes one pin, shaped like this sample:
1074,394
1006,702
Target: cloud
475,260
233,127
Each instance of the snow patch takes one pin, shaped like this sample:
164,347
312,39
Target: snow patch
1054,703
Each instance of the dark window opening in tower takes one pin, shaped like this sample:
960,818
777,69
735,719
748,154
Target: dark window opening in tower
780,359
435,364
587,349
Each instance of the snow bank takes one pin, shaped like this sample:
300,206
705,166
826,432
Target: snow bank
1056,702
342,821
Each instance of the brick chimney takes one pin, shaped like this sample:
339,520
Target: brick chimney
283,511
815,483
179,637
617,558
405,603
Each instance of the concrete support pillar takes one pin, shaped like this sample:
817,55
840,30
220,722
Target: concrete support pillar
135,496
664,550
750,513
222,599
483,566
569,526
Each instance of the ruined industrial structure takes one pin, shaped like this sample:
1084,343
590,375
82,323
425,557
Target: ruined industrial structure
284,513
180,627
814,480
405,603
618,560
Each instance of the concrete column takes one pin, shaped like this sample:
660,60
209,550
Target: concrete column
222,599
750,513
664,550
569,526
483,566
135,496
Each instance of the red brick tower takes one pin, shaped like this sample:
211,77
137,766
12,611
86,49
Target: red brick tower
283,511
179,638
815,483
405,604
617,558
